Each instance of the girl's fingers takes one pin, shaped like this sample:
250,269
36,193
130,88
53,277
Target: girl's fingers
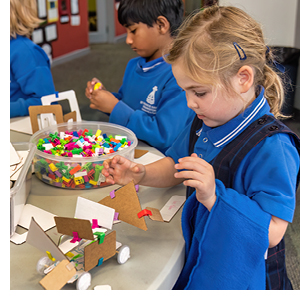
189,175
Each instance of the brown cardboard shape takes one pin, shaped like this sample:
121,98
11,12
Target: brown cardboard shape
93,252
139,152
127,204
36,110
69,116
69,225
59,276
156,216
56,109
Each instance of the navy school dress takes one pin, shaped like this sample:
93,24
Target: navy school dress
225,165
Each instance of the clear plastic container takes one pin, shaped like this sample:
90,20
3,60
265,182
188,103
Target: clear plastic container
58,170
22,186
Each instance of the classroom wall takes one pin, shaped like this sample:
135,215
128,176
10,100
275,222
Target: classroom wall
278,19
64,30
72,37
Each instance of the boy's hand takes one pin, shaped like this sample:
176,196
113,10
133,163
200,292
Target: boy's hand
103,100
200,175
120,170
90,87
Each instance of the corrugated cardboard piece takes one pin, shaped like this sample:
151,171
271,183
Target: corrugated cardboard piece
69,225
56,109
126,202
139,152
34,111
58,277
156,216
95,251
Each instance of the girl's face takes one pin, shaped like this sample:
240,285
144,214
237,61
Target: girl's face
215,108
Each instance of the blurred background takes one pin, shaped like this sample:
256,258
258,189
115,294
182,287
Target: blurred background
74,28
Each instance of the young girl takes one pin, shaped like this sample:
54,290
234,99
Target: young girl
30,74
242,162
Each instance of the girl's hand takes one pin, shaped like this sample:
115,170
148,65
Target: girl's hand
200,175
120,170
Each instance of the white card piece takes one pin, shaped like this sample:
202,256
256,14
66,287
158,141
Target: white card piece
67,246
147,158
14,157
98,230
42,217
18,238
21,124
37,238
118,245
171,207
102,287
89,210
16,169
67,95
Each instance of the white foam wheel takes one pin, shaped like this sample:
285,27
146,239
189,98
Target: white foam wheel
42,264
123,255
84,281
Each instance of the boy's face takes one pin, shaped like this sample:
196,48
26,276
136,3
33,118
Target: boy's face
214,108
144,40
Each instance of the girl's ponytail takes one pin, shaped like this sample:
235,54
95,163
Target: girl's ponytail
274,90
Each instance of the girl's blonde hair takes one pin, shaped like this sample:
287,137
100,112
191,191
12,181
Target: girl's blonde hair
207,44
23,17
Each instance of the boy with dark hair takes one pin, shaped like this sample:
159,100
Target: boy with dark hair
149,102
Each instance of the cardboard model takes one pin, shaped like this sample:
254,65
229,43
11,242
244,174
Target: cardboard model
43,111
94,251
68,226
126,202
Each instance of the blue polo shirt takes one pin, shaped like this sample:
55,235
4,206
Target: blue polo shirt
151,104
268,172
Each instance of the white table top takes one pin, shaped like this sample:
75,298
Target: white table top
157,255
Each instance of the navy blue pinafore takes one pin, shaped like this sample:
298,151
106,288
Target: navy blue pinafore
225,165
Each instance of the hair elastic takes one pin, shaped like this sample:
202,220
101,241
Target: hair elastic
277,65
238,48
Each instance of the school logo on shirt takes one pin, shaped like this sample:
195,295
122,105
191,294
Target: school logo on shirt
151,97
150,100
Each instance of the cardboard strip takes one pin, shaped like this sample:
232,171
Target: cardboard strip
69,225
59,276
156,216
95,251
